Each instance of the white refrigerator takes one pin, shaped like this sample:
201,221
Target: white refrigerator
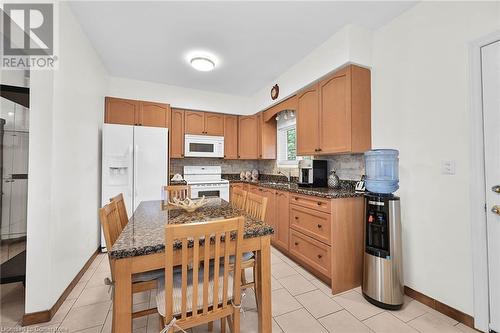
135,163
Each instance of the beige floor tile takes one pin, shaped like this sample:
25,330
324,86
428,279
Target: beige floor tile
343,322
63,310
322,286
357,305
93,296
276,328
275,284
429,323
411,309
386,323
296,284
77,290
318,304
276,252
248,300
108,323
465,329
96,329
249,322
282,270
282,302
87,316
440,316
289,261
304,273
299,321
275,259
12,312
97,280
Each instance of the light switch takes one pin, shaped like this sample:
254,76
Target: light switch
448,168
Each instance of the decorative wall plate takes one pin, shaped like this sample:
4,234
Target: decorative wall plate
275,91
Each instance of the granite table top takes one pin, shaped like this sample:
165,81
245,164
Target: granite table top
145,231
345,191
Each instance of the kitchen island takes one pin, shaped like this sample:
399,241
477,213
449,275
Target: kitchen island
141,247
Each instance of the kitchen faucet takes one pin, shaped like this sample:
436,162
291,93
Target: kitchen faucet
287,176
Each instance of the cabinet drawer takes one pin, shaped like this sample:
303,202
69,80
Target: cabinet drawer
314,253
311,222
312,202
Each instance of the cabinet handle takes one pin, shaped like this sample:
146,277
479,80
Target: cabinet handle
319,203
296,198
182,155
296,217
260,189
320,256
296,243
319,226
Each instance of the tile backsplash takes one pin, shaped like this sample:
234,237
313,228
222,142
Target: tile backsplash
348,166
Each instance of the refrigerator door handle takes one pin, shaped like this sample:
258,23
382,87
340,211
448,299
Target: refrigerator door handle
136,167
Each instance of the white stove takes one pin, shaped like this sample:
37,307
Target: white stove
206,181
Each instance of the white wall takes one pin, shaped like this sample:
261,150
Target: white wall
420,106
352,44
67,111
179,97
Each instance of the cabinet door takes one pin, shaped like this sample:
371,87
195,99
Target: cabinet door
267,138
121,111
194,122
177,134
308,121
270,217
282,218
154,114
230,137
335,113
214,124
247,138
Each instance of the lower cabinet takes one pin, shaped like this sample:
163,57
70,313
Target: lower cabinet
311,251
282,220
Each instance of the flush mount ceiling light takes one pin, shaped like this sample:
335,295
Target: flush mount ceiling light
203,64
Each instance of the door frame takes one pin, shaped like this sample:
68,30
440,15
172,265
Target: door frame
477,186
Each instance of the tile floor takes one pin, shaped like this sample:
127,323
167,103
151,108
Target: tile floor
11,249
300,303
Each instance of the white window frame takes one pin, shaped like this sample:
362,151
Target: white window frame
283,127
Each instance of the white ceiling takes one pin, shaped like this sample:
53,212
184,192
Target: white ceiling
254,41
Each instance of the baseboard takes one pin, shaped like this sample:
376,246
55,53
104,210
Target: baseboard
441,307
46,315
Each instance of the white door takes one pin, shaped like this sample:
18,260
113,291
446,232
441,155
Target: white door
150,163
490,71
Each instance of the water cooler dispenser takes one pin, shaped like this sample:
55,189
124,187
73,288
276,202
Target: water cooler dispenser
383,263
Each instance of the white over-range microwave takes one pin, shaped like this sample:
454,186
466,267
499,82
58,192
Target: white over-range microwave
203,146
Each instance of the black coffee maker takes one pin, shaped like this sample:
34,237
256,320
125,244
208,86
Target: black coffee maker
313,173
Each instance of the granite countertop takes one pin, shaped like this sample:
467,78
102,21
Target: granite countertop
345,191
145,231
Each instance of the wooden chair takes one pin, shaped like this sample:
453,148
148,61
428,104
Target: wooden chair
180,192
255,206
238,198
110,221
205,292
122,210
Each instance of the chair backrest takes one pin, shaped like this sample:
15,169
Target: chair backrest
256,205
217,249
178,191
238,198
110,221
122,210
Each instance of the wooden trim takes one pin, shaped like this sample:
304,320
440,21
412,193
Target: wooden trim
47,315
441,307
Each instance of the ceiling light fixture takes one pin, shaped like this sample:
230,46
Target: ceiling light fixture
203,64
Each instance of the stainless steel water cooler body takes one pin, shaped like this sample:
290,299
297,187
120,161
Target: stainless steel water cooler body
383,264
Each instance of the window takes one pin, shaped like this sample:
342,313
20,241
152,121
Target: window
287,142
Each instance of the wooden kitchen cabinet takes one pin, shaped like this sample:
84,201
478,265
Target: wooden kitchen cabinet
282,220
204,123
214,124
194,122
136,113
266,138
177,134
308,121
270,217
248,141
154,114
121,111
230,137
334,115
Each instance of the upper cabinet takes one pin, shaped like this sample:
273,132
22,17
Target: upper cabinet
266,138
136,113
230,137
248,141
177,134
204,123
334,115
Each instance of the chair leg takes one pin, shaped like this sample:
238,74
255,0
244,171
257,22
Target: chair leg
211,326
236,321
243,277
223,325
255,284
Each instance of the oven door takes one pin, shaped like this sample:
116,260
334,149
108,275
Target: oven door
221,191
203,146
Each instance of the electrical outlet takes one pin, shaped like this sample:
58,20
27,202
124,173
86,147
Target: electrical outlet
448,167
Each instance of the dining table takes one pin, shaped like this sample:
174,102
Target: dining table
141,248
